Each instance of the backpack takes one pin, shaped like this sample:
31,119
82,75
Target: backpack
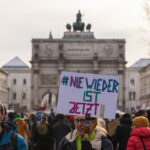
14,140
106,143
12,145
42,128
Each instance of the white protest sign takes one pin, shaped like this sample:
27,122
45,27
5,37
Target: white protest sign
143,106
88,94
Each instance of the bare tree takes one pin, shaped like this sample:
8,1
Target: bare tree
145,30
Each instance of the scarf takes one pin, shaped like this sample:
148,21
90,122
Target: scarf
79,139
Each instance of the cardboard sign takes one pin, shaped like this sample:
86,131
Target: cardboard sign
88,94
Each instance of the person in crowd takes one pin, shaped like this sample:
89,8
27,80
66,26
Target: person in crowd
141,112
9,139
83,138
61,128
22,127
101,126
148,113
26,119
111,125
11,117
32,121
122,132
117,116
71,122
52,119
32,127
140,134
43,135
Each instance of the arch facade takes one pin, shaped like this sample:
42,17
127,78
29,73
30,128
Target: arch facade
75,52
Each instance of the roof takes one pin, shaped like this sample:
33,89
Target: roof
15,63
141,63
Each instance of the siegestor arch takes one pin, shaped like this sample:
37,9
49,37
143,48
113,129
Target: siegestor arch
48,99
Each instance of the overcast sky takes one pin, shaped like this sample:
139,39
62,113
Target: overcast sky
22,20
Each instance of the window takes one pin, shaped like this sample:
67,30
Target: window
134,95
36,46
121,55
132,81
36,56
24,96
24,81
14,96
130,95
14,81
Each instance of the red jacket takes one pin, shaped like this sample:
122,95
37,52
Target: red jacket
134,142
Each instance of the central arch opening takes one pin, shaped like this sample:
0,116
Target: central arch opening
49,101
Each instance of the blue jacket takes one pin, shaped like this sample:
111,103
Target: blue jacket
9,128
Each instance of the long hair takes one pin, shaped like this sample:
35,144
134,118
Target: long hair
42,127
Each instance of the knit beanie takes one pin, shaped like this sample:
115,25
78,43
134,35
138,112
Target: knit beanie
140,122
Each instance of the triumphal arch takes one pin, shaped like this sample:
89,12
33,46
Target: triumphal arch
77,51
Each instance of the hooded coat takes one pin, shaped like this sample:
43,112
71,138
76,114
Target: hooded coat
61,129
122,134
22,128
69,141
43,136
135,142
9,129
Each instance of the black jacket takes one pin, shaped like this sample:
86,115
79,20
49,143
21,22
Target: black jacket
122,134
43,142
61,129
69,142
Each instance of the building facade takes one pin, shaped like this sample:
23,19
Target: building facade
135,84
145,86
3,87
132,89
77,51
19,84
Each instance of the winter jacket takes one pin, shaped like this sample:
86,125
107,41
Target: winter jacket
122,134
69,141
23,128
43,137
9,129
61,129
135,143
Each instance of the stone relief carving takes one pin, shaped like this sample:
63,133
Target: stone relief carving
77,52
48,50
48,79
108,50
120,46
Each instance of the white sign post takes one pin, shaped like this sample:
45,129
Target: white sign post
88,94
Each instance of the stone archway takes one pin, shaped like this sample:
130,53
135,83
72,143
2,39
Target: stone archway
49,100
75,51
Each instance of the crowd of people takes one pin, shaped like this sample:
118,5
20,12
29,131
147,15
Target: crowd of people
41,131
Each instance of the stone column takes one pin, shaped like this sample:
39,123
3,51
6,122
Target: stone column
61,58
121,102
60,65
35,87
95,63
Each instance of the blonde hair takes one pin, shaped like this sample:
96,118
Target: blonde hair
101,126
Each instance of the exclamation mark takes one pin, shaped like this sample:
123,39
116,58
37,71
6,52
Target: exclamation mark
102,111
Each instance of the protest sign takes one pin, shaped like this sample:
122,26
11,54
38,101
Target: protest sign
88,94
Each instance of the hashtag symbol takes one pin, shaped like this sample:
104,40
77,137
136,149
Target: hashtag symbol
65,80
